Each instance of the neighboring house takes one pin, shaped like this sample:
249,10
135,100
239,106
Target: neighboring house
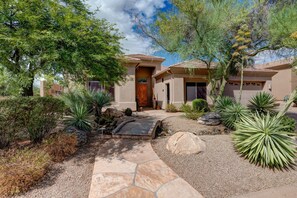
148,82
54,90
285,81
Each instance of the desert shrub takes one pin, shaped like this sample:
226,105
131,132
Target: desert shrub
59,146
79,117
288,123
200,105
232,114
222,102
262,102
263,140
185,108
29,117
171,108
92,100
21,169
128,112
193,115
100,99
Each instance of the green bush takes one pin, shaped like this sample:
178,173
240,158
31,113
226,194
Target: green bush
193,115
200,105
185,108
232,114
79,117
263,140
171,108
29,117
128,112
262,102
288,123
222,102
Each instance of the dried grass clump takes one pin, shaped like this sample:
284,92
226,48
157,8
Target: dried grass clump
60,146
21,169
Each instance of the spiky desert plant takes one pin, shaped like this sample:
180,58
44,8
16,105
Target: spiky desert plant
232,114
262,102
100,99
79,117
222,103
263,141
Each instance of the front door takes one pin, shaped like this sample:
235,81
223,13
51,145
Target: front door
142,94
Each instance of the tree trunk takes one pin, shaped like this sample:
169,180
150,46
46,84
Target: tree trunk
28,91
222,87
241,83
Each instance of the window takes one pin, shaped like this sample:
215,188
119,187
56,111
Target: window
97,86
195,90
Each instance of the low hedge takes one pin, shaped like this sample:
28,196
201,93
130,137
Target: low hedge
28,118
200,105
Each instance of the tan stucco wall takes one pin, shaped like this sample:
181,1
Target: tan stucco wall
160,90
125,93
177,89
281,84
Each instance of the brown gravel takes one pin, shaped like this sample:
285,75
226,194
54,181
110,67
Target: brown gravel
219,171
72,178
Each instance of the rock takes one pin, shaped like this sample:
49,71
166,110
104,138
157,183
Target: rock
81,136
210,119
113,113
185,143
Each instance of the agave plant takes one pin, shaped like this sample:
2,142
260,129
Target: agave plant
262,139
262,102
233,113
79,117
77,97
100,99
222,103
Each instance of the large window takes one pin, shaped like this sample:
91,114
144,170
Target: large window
98,86
195,90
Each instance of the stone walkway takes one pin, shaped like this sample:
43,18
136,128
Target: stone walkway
131,169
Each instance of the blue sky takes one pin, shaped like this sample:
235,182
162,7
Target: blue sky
122,14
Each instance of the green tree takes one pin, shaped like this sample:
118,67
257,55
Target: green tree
57,37
210,31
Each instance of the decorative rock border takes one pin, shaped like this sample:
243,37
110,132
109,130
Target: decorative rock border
129,168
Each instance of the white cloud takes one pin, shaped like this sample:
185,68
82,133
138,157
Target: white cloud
121,12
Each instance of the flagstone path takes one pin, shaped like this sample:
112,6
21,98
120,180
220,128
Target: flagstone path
131,169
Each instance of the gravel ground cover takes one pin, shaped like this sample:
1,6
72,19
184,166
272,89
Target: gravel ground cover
220,171
71,178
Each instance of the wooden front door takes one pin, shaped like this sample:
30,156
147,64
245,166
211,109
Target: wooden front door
142,94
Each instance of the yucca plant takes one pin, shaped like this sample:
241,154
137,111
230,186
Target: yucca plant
232,114
261,139
79,118
100,99
262,102
222,103
77,97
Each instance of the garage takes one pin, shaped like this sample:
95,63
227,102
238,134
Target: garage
249,89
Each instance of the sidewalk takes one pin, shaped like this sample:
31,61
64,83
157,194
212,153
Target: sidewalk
131,169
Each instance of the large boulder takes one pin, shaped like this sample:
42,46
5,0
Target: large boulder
210,119
185,143
113,113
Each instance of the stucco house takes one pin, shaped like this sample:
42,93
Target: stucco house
148,83
285,80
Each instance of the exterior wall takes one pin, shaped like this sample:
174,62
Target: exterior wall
177,85
160,90
178,96
281,84
252,85
293,80
125,94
